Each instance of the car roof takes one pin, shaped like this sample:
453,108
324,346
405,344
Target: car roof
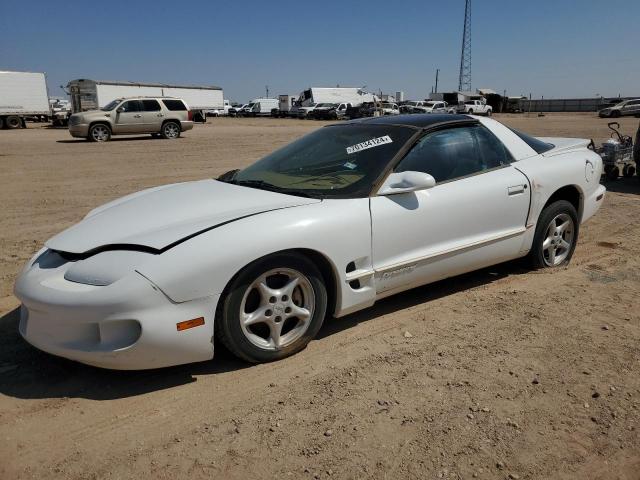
416,120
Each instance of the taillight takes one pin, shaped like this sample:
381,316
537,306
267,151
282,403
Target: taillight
190,115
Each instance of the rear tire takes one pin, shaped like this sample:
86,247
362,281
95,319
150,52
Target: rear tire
256,319
556,236
488,113
13,121
170,131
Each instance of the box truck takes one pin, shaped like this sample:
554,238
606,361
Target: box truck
94,94
22,94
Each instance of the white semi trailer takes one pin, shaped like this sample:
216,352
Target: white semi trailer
94,94
313,96
22,94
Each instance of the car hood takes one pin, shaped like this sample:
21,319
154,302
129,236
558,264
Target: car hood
157,218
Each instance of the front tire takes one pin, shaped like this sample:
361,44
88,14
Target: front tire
273,308
170,131
489,113
99,133
556,236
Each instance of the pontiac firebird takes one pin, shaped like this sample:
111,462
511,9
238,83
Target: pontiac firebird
327,225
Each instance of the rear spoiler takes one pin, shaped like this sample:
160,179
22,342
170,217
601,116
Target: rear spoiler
562,145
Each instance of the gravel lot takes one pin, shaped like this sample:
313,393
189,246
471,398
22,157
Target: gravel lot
502,373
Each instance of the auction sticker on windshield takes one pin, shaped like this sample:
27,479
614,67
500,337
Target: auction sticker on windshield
374,142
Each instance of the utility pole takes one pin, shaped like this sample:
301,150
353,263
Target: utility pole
464,80
266,87
437,72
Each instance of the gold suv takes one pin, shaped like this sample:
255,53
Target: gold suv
129,116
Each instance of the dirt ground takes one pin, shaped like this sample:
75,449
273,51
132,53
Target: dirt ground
502,373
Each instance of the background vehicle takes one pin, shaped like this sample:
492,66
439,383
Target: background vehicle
22,94
60,111
366,109
237,110
126,116
622,109
412,106
475,107
389,108
303,112
315,95
260,107
330,111
93,94
219,112
286,105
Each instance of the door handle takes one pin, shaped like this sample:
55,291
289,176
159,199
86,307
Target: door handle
137,116
516,189
161,115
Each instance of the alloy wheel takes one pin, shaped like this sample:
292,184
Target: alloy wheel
558,240
277,308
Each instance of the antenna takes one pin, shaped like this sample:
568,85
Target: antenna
464,81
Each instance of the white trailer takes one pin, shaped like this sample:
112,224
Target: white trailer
94,94
354,96
22,94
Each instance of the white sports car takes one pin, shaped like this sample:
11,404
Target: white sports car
340,218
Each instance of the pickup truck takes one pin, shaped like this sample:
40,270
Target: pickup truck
475,107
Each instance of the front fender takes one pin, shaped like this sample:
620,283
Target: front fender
340,230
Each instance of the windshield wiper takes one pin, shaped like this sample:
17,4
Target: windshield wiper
262,185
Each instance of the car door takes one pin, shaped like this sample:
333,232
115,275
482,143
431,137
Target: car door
631,108
129,117
152,115
475,215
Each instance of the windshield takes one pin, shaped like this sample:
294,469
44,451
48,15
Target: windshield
339,160
470,102
621,104
110,106
413,104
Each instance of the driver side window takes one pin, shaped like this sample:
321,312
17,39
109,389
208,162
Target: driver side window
455,152
131,106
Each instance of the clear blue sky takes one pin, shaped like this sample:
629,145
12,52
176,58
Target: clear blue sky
555,48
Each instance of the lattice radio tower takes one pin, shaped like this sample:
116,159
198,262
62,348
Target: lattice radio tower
464,81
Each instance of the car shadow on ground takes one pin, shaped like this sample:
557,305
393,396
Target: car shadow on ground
112,139
28,373
623,185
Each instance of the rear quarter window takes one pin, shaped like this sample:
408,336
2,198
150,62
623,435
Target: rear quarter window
538,145
174,105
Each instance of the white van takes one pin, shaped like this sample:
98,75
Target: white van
259,107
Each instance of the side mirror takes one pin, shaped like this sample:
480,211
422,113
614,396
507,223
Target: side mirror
404,182
120,110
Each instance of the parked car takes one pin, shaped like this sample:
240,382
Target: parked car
435,106
412,106
626,108
303,112
475,107
364,110
330,111
164,116
148,280
237,110
390,108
